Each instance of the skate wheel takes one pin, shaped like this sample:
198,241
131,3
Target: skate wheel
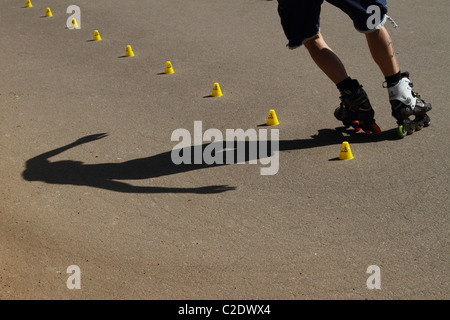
427,121
419,127
401,133
337,114
355,125
376,129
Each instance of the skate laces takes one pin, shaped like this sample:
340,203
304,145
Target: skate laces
392,21
415,94
356,100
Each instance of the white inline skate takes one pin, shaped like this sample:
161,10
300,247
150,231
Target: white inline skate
406,103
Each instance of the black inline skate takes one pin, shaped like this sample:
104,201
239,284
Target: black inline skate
356,111
406,103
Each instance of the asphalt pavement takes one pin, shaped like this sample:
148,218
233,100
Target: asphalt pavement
88,138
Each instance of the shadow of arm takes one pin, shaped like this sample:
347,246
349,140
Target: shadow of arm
45,156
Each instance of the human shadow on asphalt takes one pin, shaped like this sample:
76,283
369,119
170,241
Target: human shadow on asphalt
108,175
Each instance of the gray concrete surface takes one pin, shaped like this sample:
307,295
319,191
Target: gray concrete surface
148,230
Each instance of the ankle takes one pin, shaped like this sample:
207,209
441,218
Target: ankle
393,79
348,85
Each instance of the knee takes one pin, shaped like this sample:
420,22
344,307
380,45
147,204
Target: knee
313,42
316,43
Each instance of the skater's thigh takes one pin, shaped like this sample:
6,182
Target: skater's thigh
300,19
357,11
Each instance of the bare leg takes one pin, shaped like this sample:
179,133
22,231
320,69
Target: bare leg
326,59
380,45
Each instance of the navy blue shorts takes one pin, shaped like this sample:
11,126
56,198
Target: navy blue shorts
301,18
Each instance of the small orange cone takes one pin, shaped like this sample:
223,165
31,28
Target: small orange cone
129,52
216,92
75,24
346,152
169,68
97,36
272,119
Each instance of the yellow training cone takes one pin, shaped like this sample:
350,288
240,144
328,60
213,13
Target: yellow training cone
97,36
216,92
28,4
168,69
346,152
74,23
48,13
272,119
129,52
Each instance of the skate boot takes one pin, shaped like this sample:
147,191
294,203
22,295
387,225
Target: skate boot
406,103
356,111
